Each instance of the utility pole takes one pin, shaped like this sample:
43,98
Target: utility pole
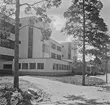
16,53
83,71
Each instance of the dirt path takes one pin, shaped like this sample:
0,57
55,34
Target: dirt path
68,94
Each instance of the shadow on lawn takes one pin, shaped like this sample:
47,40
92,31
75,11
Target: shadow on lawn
87,102
80,100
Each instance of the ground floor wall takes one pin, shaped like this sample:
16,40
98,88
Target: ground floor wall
5,67
5,64
46,66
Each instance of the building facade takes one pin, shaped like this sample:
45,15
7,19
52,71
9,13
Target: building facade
7,40
37,56
44,57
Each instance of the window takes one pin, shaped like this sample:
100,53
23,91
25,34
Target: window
65,67
53,46
62,67
7,66
6,57
59,66
32,65
59,57
29,51
30,36
40,65
19,65
54,66
69,51
59,48
24,65
45,48
30,42
69,67
13,29
53,55
7,43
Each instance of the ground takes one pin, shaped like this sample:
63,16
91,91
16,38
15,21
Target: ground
69,94
59,93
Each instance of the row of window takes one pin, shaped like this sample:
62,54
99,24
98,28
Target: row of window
45,48
53,46
6,57
55,56
7,43
61,67
31,66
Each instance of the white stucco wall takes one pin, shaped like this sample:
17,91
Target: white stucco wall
65,50
73,50
37,37
48,66
37,43
2,62
23,47
6,51
55,50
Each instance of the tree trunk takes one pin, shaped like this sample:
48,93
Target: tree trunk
83,71
16,53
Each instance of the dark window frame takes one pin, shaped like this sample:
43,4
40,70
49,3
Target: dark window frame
58,48
40,66
53,46
24,65
53,55
32,65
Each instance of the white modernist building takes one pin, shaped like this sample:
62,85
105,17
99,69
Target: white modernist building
6,43
43,57
36,56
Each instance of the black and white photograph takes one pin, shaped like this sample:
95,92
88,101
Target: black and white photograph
54,52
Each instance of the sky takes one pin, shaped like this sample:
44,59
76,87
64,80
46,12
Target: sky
58,21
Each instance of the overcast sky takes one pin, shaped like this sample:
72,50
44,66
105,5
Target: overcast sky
58,19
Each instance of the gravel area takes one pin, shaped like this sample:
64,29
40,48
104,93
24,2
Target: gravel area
70,94
58,91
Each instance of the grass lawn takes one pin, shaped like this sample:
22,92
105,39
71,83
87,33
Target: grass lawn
8,81
77,80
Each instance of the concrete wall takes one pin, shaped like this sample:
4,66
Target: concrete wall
37,39
23,47
6,51
48,67
37,43
65,50
73,50
55,50
2,62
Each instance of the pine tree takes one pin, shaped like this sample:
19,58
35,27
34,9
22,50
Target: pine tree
96,29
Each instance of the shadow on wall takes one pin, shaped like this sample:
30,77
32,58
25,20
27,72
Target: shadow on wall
5,72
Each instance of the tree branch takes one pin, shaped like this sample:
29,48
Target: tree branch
40,28
32,4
